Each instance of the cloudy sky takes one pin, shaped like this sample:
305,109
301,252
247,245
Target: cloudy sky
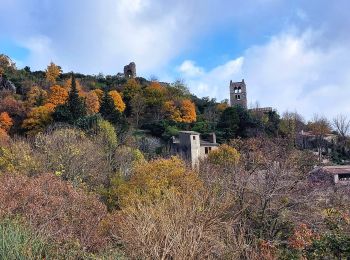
293,55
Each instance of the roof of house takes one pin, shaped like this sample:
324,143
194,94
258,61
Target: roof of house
189,132
333,170
205,143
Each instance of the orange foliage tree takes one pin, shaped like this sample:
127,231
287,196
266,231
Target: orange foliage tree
58,95
68,84
118,101
181,111
5,121
188,111
92,103
52,73
99,93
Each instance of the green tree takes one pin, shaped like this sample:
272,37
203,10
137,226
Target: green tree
73,109
108,109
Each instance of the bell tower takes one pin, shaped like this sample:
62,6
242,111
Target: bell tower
238,94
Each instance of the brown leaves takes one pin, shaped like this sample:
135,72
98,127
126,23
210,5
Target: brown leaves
55,208
52,73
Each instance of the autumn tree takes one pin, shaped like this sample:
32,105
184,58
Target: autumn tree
36,96
5,121
172,111
117,99
57,95
155,97
224,155
188,111
52,73
38,119
92,103
150,180
68,84
99,93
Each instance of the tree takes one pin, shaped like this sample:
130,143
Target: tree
138,105
108,109
225,155
38,119
52,73
99,93
342,125
73,109
57,95
92,103
290,125
36,96
228,124
117,99
5,121
320,127
188,111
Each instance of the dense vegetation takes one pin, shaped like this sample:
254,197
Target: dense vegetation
85,174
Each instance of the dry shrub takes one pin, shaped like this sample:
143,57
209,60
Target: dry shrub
179,227
69,153
55,208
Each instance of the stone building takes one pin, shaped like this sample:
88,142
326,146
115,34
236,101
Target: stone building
130,70
330,175
238,94
191,148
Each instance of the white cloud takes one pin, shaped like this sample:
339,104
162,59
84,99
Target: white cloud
288,73
190,69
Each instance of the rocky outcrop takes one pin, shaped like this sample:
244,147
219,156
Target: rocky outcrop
5,84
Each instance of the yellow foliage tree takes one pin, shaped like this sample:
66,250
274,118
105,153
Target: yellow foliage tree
36,96
5,121
38,118
99,93
68,84
92,103
57,95
173,111
52,73
224,155
150,180
118,101
188,111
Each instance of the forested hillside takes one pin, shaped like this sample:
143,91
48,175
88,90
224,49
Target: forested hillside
86,173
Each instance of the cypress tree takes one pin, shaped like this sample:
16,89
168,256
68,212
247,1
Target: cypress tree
108,110
73,109
75,103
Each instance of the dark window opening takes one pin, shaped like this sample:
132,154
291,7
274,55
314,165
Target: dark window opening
194,137
344,177
206,150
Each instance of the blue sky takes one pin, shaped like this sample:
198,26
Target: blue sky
293,55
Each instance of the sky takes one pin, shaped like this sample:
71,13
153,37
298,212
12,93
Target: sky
293,55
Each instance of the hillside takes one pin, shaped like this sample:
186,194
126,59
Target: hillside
91,168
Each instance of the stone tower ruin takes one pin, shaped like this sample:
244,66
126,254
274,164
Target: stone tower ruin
238,94
130,70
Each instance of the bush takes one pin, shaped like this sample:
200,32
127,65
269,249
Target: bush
53,206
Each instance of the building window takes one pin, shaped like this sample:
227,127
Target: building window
238,97
239,90
206,150
344,177
194,137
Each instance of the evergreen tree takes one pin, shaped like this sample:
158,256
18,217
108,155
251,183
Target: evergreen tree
73,109
108,110
76,104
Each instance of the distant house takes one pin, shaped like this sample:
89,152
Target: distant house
308,140
331,175
191,148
